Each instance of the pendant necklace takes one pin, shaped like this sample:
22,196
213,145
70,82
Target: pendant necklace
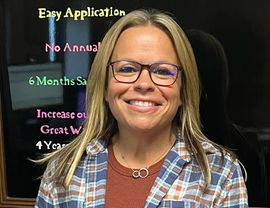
141,172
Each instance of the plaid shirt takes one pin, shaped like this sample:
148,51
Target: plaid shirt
179,182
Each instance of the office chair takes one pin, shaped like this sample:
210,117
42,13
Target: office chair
217,126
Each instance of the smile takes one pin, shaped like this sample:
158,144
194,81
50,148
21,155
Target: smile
142,103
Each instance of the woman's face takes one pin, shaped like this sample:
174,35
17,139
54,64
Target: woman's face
143,105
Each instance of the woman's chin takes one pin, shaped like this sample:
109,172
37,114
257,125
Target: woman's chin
144,126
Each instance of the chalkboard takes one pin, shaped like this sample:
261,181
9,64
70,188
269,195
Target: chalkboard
46,51
46,54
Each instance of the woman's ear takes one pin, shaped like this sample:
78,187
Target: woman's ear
180,98
106,95
106,88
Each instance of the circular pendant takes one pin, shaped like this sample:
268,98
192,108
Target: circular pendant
141,173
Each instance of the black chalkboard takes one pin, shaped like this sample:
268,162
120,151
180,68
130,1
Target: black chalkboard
45,61
46,51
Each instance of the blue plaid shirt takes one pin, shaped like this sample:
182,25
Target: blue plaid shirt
179,182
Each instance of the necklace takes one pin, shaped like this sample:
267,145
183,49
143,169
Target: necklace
144,171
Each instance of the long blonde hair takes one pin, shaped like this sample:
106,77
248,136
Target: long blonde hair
100,122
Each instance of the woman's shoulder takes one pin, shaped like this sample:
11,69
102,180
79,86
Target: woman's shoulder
56,163
60,161
51,168
220,159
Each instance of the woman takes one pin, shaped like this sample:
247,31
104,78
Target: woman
142,145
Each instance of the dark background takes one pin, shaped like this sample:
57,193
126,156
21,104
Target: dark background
241,26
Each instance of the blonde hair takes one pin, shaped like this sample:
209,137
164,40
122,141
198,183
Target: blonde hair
100,122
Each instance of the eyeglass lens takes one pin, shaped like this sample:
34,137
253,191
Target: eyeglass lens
160,73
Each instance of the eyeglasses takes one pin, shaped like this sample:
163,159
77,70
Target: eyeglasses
162,74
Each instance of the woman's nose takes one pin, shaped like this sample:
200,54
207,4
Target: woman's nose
144,82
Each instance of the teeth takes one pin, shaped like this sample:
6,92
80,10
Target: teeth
142,103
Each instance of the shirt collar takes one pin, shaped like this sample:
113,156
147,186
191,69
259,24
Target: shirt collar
185,154
96,146
100,144
181,148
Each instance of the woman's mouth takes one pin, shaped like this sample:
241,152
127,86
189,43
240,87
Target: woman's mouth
142,103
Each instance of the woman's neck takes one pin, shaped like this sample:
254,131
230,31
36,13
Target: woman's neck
142,149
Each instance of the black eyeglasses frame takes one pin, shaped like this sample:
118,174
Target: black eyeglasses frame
146,67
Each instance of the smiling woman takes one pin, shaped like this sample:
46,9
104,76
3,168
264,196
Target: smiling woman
143,130
143,104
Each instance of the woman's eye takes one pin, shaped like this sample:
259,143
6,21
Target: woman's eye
127,69
164,72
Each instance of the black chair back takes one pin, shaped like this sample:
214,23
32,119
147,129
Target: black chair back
214,74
